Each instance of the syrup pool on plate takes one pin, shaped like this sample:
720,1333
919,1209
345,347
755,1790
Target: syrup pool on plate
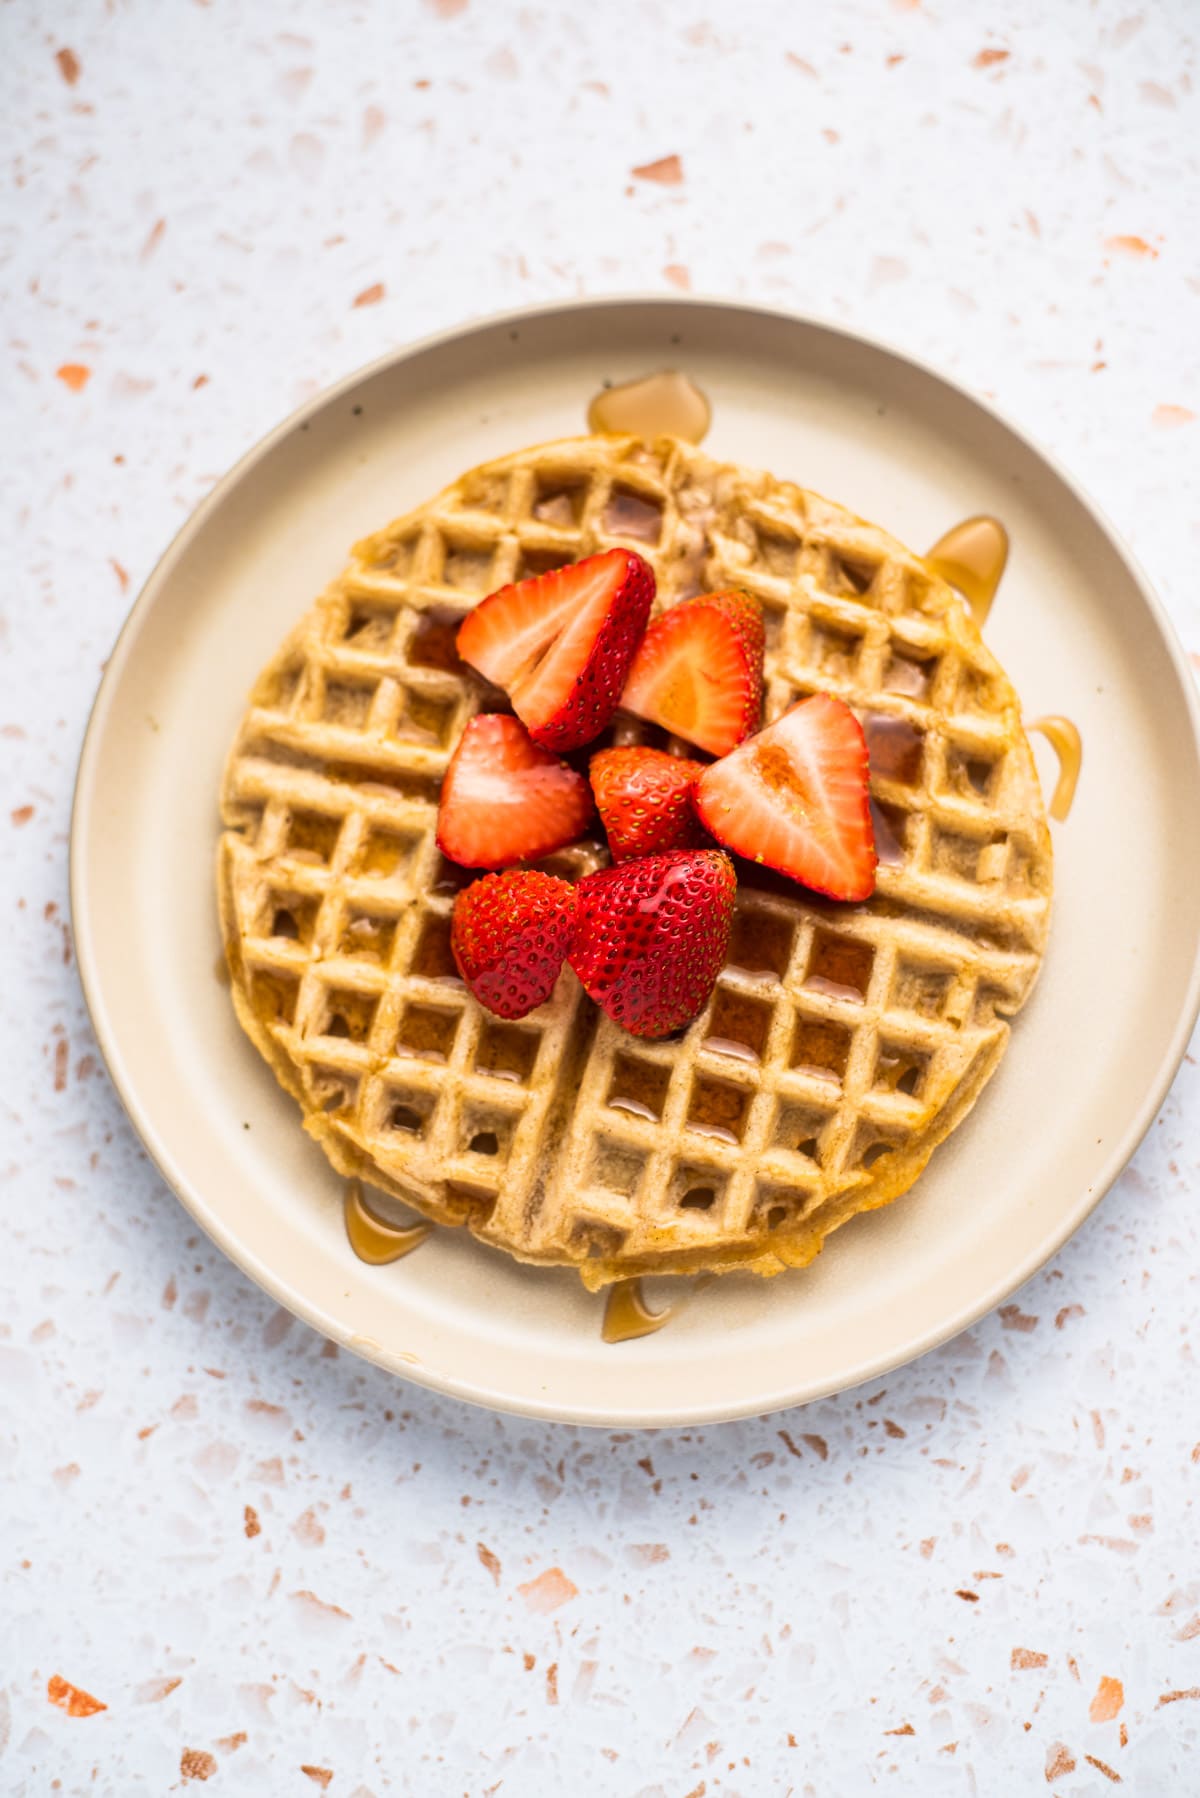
665,404
626,1315
972,556
1064,739
373,1239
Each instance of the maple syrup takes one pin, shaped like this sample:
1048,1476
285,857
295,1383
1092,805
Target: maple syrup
820,1049
666,404
895,748
626,1315
972,556
904,675
840,968
1063,737
739,1026
888,846
434,642
717,1110
629,515
760,946
433,958
382,856
372,1238
638,1087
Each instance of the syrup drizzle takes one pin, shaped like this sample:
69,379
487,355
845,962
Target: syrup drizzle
373,1240
1063,737
666,404
627,1316
972,556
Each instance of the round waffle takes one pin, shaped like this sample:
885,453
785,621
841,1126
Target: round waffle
841,1044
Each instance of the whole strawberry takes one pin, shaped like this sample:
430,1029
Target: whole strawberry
510,934
651,936
644,797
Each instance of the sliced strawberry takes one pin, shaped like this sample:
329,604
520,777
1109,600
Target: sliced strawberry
699,672
505,800
560,644
795,798
510,934
644,797
651,936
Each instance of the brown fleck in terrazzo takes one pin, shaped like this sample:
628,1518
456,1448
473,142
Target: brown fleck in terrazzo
197,1763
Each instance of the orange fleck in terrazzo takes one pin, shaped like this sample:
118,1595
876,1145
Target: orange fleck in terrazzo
1129,245
74,375
72,1699
667,171
1110,1696
549,1590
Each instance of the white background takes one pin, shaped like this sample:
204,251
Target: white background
977,1576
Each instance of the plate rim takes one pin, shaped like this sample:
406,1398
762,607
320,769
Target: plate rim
276,1286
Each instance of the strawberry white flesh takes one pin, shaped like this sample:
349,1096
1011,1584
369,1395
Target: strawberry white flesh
795,799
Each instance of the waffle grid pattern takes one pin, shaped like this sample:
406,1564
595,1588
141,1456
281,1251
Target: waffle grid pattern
841,1044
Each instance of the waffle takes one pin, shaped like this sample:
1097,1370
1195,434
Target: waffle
841,1044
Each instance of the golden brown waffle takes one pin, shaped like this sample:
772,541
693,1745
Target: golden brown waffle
842,1043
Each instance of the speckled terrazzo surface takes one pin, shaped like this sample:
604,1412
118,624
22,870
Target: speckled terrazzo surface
273,1568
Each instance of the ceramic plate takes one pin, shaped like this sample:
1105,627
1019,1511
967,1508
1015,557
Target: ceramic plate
1091,1055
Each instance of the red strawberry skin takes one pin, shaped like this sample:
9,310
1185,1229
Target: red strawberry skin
651,937
561,644
644,798
699,671
509,935
504,800
795,798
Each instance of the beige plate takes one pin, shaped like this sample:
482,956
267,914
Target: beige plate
1091,1056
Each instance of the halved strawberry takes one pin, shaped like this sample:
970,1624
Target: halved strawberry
699,672
505,800
795,798
644,797
651,936
560,644
510,934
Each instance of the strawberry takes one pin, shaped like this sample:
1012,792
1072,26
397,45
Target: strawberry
505,800
699,671
651,935
561,644
644,797
795,798
510,934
